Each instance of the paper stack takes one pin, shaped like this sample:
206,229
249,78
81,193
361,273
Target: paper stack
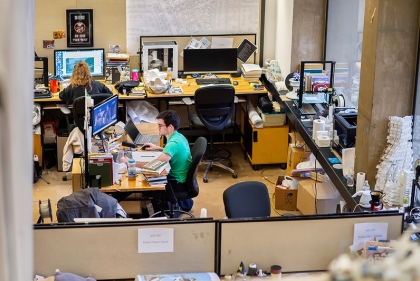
251,71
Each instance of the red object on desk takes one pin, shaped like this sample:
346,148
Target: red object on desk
54,86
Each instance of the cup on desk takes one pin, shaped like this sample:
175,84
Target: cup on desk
203,213
54,86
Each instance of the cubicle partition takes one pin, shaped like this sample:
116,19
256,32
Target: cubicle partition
301,243
110,251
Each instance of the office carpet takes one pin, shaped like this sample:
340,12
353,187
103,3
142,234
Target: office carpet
210,196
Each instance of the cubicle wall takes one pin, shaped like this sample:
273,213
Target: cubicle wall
301,243
182,42
110,251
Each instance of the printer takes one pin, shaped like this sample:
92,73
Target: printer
345,125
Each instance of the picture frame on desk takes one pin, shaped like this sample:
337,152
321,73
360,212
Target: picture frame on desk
79,24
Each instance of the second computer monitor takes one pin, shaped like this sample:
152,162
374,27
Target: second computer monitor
104,114
210,60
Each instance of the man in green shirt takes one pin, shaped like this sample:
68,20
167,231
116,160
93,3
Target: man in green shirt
176,152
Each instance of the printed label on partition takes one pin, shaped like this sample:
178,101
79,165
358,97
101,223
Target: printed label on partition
155,240
368,231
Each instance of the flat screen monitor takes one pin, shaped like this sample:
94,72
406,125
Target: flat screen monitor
65,60
105,114
210,60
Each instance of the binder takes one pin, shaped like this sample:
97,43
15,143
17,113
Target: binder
104,170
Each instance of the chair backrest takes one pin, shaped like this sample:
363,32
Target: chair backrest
79,108
214,105
247,200
197,152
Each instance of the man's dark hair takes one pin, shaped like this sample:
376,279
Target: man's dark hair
169,118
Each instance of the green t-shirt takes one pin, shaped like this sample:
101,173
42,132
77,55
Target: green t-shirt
177,147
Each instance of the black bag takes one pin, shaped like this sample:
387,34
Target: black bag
37,171
265,104
127,86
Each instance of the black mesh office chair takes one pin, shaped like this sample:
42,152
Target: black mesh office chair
214,106
247,200
79,108
197,152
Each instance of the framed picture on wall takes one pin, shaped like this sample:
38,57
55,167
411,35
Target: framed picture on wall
79,28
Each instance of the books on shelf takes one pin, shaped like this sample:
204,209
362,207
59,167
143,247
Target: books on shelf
154,167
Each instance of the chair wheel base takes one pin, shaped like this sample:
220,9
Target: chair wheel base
255,167
205,180
234,176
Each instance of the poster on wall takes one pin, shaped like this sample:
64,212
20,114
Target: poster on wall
79,28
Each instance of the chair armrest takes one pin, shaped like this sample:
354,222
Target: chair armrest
187,101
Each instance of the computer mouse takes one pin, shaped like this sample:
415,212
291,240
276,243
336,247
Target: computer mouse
144,147
235,83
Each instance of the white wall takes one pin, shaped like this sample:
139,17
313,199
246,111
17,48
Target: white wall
283,38
278,32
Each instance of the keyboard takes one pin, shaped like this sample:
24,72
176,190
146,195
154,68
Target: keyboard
144,139
206,81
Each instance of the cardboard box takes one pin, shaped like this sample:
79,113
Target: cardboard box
285,199
327,197
295,155
297,140
131,207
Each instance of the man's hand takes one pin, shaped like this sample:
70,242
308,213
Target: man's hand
150,147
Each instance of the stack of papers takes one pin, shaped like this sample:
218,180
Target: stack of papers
155,180
154,167
251,71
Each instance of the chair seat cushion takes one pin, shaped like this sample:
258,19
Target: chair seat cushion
196,122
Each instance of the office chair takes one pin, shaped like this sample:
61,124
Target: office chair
247,200
197,152
214,106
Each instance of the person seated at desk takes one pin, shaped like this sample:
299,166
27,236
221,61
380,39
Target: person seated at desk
176,152
79,80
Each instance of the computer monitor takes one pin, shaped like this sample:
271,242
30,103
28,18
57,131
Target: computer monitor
65,60
105,114
210,60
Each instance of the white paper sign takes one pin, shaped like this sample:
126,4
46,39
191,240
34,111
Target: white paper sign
368,231
221,43
156,240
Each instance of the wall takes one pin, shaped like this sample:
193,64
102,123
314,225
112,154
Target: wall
108,23
283,36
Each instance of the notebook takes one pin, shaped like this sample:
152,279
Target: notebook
137,137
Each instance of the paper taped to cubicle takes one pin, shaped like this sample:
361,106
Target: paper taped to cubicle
145,156
202,276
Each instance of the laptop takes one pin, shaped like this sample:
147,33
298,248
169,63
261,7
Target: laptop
137,137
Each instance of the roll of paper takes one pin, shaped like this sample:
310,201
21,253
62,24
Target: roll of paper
330,113
253,116
318,125
360,180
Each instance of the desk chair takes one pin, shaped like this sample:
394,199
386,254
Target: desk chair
197,152
247,200
214,106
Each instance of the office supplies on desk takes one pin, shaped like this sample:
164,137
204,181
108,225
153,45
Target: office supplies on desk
205,81
42,93
139,138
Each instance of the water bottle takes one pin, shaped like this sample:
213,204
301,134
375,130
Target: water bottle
131,169
350,178
169,74
366,186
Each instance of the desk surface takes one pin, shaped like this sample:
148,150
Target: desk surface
243,88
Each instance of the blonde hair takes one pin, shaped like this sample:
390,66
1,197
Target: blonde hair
81,75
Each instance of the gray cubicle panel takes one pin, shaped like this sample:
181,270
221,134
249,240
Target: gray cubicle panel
110,251
301,243
183,40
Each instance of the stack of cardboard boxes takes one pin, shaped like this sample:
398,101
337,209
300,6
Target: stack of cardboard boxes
311,197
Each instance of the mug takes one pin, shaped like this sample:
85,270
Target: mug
377,195
376,206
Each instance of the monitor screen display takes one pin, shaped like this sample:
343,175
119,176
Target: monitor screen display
210,60
104,114
64,61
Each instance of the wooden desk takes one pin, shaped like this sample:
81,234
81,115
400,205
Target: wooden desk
243,88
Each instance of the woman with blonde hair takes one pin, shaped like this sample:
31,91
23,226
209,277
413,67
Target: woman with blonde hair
81,79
